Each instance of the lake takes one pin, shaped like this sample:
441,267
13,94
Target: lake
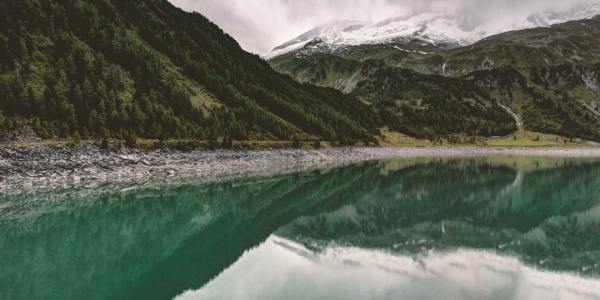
454,228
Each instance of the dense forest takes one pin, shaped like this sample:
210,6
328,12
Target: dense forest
144,68
431,106
416,104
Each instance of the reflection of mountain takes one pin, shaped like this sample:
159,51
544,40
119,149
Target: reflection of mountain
355,273
547,218
150,243
115,242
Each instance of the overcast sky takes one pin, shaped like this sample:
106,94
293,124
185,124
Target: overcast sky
260,25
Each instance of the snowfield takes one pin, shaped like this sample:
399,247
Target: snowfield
431,28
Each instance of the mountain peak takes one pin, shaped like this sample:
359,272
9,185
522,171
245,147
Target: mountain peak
459,28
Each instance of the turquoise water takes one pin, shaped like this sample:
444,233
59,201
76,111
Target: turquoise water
478,228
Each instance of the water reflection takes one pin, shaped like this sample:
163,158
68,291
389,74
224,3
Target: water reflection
150,242
544,212
282,269
119,241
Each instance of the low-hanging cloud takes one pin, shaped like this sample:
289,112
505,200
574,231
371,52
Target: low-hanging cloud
259,25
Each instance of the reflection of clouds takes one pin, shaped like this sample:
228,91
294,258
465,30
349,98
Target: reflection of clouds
281,269
542,211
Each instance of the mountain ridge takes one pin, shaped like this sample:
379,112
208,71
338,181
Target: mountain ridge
117,69
120,70
549,77
455,28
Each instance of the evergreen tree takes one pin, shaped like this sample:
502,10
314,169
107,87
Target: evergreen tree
106,68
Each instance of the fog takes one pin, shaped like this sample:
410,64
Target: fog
260,25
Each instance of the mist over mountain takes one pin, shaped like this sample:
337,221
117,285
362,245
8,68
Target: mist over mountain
259,26
460,25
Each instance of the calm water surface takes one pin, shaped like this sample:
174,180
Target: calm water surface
476,228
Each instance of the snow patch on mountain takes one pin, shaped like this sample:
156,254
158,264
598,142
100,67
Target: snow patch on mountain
432,28
337,32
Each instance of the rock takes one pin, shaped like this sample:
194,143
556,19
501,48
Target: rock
39,164
4,164
24,134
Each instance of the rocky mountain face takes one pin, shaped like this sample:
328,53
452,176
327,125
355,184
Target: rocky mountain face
452,27
546,79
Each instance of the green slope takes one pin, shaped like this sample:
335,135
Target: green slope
420,105
109,68
549,76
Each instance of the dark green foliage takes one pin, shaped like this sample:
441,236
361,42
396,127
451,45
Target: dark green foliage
419,105
130,139
2,125
76,138
432,106
552,97
111,68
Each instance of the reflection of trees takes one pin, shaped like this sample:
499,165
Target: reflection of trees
467,203
155,242
151,242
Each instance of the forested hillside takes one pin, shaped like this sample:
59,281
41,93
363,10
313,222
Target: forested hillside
420,105
112,68
549,77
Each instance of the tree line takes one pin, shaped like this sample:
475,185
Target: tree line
109,68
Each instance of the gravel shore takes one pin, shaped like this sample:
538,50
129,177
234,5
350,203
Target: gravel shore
40,165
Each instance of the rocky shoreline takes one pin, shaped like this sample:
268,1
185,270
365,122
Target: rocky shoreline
42,165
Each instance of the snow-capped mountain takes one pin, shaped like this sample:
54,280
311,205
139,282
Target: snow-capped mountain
333,33
432,28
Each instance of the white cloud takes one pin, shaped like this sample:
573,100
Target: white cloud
259,25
